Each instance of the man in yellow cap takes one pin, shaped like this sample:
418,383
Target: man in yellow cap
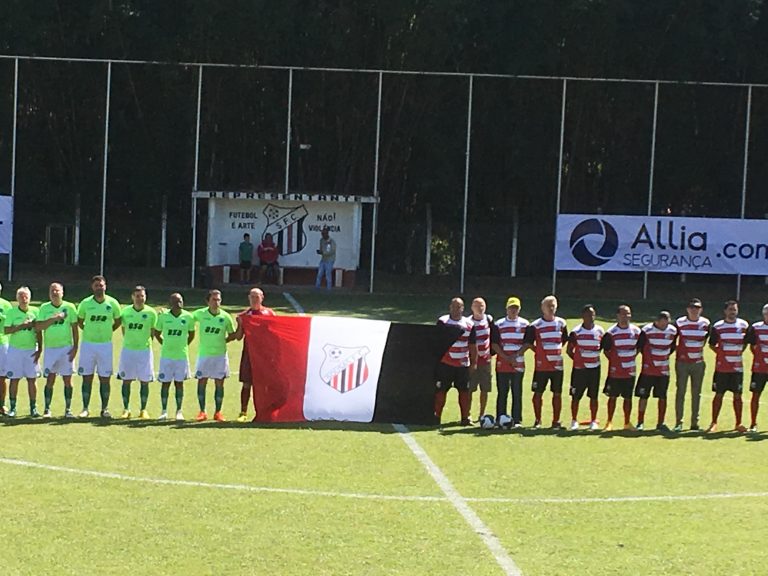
507,340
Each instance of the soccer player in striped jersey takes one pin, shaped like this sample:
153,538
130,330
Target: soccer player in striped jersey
507,341
57,321
255,308
656,344
727,340
4,307
757,338
481,377
216,328
455,365
24,348
583,348
136,359
546,336
692,333
98,317
175,330
620,346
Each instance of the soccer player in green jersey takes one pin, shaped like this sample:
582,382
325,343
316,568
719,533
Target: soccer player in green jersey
4,307
216,328
98,316
136,359
24,347
175,330
57,322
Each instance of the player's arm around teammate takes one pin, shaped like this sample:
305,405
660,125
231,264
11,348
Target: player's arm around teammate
25,346
216,328
57,322
136,359
175,330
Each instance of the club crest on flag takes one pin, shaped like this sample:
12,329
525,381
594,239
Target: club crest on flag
344,369
286,224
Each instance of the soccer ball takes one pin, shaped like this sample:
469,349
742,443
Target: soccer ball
504,421
487,422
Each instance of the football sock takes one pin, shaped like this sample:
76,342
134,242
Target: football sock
201,396
104,394
537,407
557,406
738,404
32,404
218,397
144,394
13,402
717,403
245,396
179,396
627,410
641,416
574,409
754,406
439,403
593,410
164,388
86,390
465,402
126,389
662,410
611,408
48,395
67,396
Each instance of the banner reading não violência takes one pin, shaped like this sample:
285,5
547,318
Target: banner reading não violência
661,244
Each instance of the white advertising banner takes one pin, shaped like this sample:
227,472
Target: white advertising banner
661,244
295,227
6,224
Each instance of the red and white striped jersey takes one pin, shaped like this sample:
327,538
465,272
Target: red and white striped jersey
509,334
458,353
757,336
548,337
621,344
657,346
728,340
586,346
691,337
483,336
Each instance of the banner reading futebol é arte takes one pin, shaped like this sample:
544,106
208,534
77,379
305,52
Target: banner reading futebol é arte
661,244
294,220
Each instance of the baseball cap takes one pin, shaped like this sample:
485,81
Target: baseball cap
513,301
694,303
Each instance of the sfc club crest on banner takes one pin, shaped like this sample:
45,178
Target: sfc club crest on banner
287,227
344,369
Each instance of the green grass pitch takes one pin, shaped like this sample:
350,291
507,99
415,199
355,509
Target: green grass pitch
85,497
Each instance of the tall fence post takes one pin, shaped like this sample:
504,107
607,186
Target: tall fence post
559,180
466,184
105,167
195,180
288,132
375,213
744,174
13,161
651,172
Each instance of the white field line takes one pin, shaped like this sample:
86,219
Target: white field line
295,303
502,557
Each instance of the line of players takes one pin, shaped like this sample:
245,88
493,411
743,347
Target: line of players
53,331
467,364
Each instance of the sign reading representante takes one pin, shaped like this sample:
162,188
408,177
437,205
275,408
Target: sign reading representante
661,244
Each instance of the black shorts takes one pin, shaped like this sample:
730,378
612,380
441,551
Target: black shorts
728,382
245,265
540,380
648,383
758,382
585,380
615,387
451,376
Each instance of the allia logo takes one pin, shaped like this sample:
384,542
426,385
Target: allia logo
583,240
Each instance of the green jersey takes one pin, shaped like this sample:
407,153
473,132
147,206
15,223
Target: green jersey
246,251
4,307
23,339
213,331
58,334
137,327
175,331
98,318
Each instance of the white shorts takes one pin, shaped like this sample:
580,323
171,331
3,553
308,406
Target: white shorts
20,364
3,357
95,357
56,361
216,367
173,370
136,365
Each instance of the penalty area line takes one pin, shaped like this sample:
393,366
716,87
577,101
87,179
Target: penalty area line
295,303
502,557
